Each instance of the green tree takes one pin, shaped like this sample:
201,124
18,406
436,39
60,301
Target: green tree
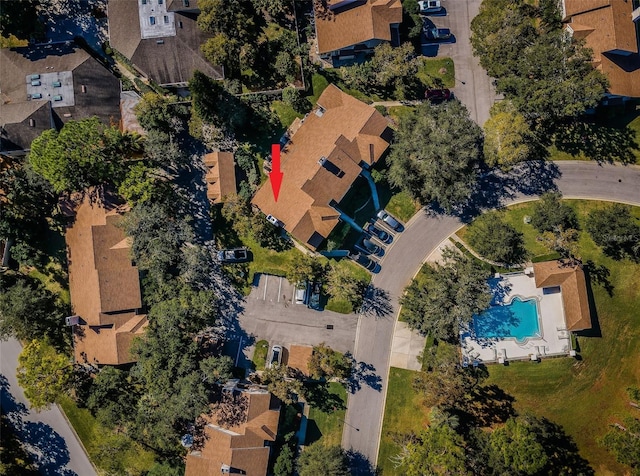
516,448
328,363
438,450
217,369
213,104
565,242
142,184
277,380
28,310
508,137
28,202
497,240
285,462
163,113
550,212
436,155
344,286
304,268
43,373
113,397
445,297
616,230
293,98
624,442
285,66
82,154
320,460
224,51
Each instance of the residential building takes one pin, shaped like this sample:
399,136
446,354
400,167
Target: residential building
243,448
221,176
611,28
348,29
104,285
42,87
161,39
573,286
335,142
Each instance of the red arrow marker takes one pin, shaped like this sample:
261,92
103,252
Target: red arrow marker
275,177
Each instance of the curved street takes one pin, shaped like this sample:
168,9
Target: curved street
425,231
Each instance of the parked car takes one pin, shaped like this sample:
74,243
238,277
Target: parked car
274,221
437,95
380,234
436,34
365,262
276,355
390,221
314,300
235,255
301,293
369,247
429,6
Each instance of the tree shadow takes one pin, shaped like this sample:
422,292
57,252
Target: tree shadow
598,142
562,451
318,396
376,303
599,274
486,406
359,464
46,448
313,433
363,373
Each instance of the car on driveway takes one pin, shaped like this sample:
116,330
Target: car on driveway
301,293
365,262
369,247
390,221
436,34
314,299
379,233
274,221
235,255
275,357
437,95
429,6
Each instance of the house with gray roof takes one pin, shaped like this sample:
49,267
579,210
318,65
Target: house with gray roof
160,38
43,87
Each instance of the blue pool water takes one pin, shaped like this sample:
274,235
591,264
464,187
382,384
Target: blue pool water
518,319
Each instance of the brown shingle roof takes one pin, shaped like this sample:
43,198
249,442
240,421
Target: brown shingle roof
606,26
369,20
242,447
346,132
298,359
573,286
104,286
171,62
221,175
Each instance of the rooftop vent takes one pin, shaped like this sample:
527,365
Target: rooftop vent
35,76
83,88
57,98
160,42
320,111
36,96
57,84
32,123
35,82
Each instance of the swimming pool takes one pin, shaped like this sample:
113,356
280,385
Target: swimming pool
518,319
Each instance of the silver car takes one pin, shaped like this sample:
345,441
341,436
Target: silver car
276,355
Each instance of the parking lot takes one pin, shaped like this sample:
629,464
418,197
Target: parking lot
270,314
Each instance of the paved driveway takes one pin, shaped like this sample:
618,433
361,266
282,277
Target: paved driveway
269,314
473,87
423,234
47,436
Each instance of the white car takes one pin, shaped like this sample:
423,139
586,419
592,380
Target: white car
429,6
274,221
276,355
301,293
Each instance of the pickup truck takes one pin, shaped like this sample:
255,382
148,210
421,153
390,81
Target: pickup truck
236,255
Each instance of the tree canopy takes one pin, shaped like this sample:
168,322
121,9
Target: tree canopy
83,153
497,240
328,363
320,460
436,155
444,297
616,230
550,213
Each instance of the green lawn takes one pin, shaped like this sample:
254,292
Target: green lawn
403,412
402,206
584,396
437,72
260,354
96,438
319,84
397,113
608,138
286,114
326,428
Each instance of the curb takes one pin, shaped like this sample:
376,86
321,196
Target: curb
73,430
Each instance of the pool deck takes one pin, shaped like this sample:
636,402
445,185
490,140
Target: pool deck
555,340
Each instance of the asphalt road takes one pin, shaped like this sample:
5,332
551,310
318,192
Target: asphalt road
47,436
473,87
423,234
